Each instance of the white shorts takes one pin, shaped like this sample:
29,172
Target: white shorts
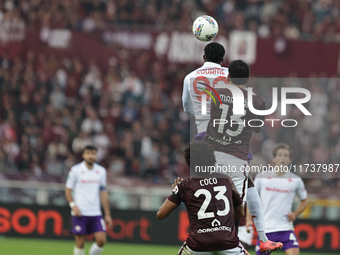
185,250
244,236
237,174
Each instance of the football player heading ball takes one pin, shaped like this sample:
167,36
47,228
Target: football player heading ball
212,72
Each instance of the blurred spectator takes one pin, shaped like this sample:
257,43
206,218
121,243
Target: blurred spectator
92,123
312,20
57,98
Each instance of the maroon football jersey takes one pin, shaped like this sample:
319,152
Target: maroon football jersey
224,134
210,203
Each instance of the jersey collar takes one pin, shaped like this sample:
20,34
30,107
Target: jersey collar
211,64
85,166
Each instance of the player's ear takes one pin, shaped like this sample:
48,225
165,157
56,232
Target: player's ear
228,79
205,58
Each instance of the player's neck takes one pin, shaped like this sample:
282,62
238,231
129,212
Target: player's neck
240,86
89,166
279,173
213,62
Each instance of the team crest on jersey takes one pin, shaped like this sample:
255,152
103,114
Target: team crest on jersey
215,223
175,190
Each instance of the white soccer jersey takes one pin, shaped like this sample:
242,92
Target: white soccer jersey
87,184
277,194
215,76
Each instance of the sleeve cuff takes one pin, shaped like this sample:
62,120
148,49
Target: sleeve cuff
69,186
172,198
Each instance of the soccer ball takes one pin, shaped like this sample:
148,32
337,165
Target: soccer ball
205,28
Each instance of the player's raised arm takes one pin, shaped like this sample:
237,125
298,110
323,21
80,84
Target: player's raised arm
171,203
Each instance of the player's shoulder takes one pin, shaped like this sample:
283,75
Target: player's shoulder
224,89
191,74
76,167
294,176
223,178
258,99
265,174
187,182
99,168
182,186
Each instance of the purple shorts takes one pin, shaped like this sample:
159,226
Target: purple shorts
200,137
86,225
288,238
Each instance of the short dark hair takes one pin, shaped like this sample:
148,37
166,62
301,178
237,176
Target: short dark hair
239,72
282,146
214,52
199,154
90,148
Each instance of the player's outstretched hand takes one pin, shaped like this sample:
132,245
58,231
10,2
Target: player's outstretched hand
108,221
177,181
291,216
76,211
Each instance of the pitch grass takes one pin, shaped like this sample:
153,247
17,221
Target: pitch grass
26,246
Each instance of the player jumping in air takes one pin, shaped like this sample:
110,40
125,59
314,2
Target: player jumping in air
229,134
213,204
209,74
88,181
213,74
277,190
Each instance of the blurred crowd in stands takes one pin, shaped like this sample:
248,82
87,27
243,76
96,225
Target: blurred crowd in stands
51,107
315,140
304,19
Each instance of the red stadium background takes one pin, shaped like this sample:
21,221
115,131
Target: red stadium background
283,55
